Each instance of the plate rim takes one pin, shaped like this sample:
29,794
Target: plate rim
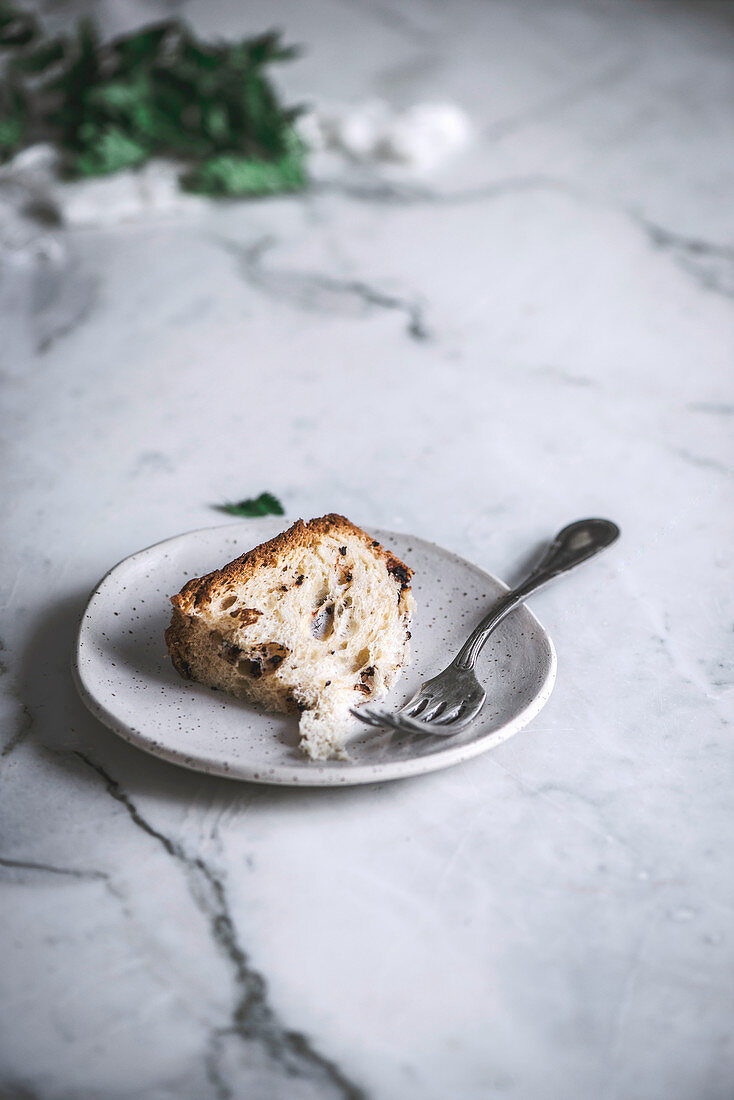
318,773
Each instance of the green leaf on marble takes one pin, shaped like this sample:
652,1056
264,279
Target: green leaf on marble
264,505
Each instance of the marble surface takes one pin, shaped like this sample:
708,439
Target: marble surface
543,329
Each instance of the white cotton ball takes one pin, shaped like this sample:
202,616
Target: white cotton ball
357,131
425,135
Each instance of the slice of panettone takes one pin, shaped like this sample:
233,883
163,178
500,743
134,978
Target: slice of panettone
314,620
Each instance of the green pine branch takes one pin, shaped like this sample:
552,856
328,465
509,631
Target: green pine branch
159,91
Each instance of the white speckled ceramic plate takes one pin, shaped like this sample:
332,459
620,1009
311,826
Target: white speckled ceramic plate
127,680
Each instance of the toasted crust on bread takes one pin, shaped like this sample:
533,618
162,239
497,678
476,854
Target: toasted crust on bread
202,590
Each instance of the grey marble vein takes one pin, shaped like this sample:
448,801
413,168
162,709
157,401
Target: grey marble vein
23,729
372,188
393,17
46,868
703,462
712,265
24,721
290,1055
318,292
566,378
62,299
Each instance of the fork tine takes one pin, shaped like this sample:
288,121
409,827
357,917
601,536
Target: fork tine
460,722
412,725
387,720
445,726
431,712
381,719
369,717
449,715
415,707
393,722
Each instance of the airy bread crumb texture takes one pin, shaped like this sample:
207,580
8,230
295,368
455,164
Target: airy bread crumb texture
315,620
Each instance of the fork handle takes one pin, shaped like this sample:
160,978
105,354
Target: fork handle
573,545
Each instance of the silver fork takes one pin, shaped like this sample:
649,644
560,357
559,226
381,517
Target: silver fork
447,703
